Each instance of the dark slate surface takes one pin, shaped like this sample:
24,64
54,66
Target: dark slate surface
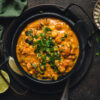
89,87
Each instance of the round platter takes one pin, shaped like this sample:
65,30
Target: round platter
74,79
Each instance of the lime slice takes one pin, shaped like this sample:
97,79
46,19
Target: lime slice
3,85
13,66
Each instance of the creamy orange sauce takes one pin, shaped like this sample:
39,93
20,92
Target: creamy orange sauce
47,48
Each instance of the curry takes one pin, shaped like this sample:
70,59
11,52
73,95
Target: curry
47,48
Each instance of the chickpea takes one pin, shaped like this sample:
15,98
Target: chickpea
71,57
23,33
42,67
29,66
55,76
67,63
67,27
70,33
58,39
57,62
68,69
58,26
72,51
62,69
66,50
54,34
30,47
31,72
52,27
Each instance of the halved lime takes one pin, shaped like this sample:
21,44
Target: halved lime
3,85
13,66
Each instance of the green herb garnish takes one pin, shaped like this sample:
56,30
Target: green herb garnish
29,41
47,29
63,39
29,33
65,35
35,67
62,45
41,34
61,50
36,36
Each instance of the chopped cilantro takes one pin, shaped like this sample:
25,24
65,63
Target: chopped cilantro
47,29
41,35
29,33
36,28
65,35
61,50
63,39
29,41
36,36
62,45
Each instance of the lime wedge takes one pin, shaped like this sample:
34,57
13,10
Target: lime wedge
3,85
13,66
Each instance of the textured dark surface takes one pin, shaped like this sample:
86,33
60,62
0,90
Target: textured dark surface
89,87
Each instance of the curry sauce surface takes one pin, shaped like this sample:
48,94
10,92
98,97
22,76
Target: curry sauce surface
47,48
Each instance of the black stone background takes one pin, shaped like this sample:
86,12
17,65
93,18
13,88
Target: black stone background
89,87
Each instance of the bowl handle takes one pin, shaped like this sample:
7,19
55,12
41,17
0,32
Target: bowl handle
73,4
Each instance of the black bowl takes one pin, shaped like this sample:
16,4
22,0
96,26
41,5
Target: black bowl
54,15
